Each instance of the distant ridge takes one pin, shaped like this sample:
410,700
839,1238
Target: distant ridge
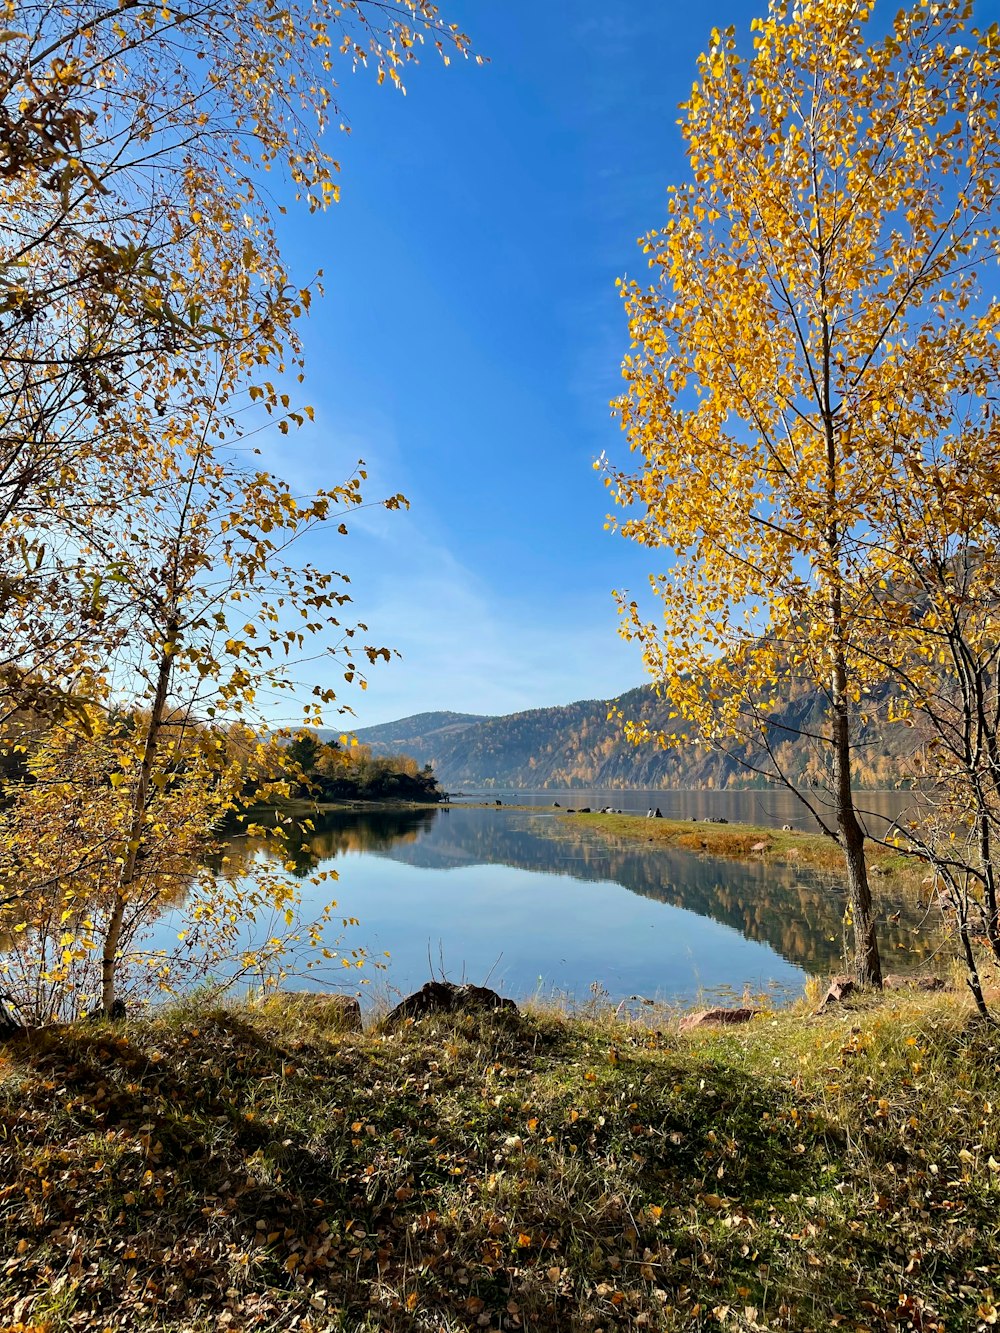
574,745
421,730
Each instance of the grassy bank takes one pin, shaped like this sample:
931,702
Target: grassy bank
298,809
245,1168
742,841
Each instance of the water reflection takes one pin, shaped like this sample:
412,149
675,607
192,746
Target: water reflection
342,832
796,913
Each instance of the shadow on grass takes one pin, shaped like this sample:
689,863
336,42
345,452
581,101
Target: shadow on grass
250,1168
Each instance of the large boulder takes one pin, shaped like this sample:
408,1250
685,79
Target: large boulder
444,997
709,1017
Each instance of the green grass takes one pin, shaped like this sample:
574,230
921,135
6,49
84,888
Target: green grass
243,1168
737,842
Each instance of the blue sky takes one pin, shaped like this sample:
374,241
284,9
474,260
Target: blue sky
470,340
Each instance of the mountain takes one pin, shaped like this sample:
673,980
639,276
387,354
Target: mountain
417,735
575,745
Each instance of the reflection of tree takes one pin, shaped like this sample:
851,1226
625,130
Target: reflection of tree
334,833
798,913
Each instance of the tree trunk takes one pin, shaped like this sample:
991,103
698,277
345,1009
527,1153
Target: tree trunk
109,956
850,834
972,976
140,801
867,963
989,881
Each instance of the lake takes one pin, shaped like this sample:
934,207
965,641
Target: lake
771,808
530,903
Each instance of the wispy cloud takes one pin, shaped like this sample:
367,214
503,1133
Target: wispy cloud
461,648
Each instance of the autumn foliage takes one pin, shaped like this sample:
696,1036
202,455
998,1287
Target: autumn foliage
809,384
255,1168
147,327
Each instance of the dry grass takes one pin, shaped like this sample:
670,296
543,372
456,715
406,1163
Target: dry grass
251,1169
742,841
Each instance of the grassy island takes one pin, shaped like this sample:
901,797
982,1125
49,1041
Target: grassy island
742,841
255,1168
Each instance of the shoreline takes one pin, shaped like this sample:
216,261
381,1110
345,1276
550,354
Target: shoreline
299,809
745,842
731,840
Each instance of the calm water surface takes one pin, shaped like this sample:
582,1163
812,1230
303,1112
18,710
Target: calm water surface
769,808
531,902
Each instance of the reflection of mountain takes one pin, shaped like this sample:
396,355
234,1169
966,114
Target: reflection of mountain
335,833
798,913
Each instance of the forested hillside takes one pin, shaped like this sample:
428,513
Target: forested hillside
576,745
423,731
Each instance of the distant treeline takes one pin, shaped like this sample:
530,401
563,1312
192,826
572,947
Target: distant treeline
328,771
305,767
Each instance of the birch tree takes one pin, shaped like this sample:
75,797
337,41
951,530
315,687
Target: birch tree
137,245
147,601
816,287
120,815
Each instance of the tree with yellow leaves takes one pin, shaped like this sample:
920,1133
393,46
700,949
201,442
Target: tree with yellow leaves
121,809
814,339
137,245
144,571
